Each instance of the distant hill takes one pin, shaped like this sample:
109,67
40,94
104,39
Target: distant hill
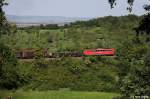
43,19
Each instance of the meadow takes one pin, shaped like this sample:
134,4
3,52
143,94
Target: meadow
58,95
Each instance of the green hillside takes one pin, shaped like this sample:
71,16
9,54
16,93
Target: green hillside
88,73
104,32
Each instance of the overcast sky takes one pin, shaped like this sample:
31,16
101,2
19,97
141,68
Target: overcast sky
71,8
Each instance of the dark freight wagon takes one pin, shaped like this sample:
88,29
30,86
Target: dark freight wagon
25,54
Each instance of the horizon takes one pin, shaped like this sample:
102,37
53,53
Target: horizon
43,16
70,17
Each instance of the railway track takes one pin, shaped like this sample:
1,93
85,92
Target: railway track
48,59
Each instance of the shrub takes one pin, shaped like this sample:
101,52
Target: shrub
8,68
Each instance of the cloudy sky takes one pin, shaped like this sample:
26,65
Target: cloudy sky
71,8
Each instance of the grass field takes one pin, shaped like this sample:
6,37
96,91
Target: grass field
57,95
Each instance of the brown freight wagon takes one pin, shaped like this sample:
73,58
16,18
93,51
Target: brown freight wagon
25,54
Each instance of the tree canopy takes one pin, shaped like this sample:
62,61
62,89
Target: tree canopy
4,26
130,2
8,62
144,25
134,72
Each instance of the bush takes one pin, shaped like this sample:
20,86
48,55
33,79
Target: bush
8,68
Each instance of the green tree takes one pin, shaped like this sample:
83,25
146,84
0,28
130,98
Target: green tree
9,77
134,67
8,68
134,70
144,26
4,26
130,2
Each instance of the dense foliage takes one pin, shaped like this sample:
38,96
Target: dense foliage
4,26
8,68
9,77
135,82
134,70
70,74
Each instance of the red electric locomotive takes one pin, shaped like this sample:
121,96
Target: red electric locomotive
100,52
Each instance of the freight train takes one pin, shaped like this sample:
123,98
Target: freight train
31,53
